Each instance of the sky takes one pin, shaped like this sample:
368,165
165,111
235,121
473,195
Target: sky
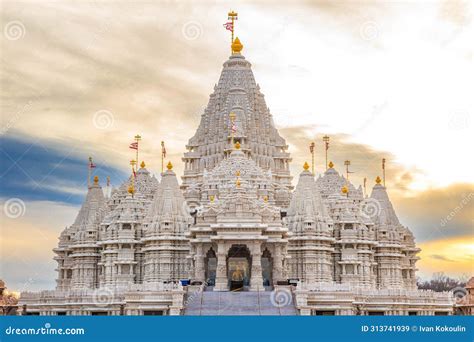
384,79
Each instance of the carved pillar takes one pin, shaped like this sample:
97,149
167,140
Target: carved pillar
277,264
199,273
256,279
221,272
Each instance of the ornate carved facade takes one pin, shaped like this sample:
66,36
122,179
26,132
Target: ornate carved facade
235,224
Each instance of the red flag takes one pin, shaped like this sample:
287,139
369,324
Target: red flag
91,165
133,146
134,174
233,128
228,26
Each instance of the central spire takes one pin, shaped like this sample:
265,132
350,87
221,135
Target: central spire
236,113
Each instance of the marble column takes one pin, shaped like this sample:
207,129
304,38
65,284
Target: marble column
256,279
199,273
221,272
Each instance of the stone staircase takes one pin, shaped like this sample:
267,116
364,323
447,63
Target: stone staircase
260,303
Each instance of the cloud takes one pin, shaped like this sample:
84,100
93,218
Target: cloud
438,212
440,257
452,256
27,241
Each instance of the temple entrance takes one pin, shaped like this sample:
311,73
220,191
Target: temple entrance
239,263
211,267
267,269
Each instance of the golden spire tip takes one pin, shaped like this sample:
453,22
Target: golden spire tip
306,166
169,166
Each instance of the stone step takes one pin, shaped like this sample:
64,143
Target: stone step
237,304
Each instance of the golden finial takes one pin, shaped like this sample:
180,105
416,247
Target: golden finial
237,46
211,198
331,164
132,162
238,183
96,179
306,166
142,165
237,145
378,180
131,189
344,189
237,173
169,166
265,198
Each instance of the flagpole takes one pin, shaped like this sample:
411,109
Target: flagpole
365,187
162,156
311,149
326,142
137,139
383,171
232,16
347,163
89,172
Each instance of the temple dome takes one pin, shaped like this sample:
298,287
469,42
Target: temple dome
331,182
307,210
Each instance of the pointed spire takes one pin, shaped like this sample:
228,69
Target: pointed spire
387,215
169,166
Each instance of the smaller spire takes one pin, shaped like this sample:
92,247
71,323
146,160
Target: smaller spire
108,180
306,166
96,179
237,145
142,165
169,166
331,164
